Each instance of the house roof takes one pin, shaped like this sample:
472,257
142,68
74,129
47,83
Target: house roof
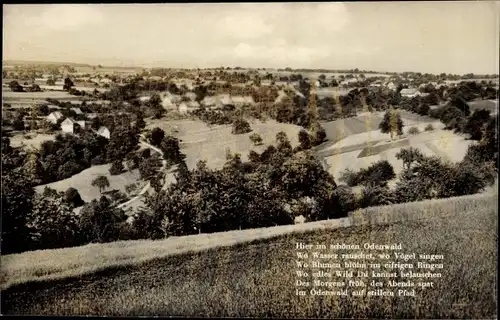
102,130
77,110
56,114
409,91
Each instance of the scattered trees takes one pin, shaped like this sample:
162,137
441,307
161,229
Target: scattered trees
240,126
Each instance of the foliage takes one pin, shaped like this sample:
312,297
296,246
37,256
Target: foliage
413,130
53,223
256,139
240,126
429,127
99,221
100,182
391,123
157,136
72,197
116,167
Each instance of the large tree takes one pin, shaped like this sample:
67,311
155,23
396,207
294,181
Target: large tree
392,123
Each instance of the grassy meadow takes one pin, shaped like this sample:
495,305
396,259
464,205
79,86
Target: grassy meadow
252,272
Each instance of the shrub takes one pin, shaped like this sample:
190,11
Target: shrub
116,168
73,197
413,130
305,140
241,126
349,177
256,139
156,136
429,127
98,160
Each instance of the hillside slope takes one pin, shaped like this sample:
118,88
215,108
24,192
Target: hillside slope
241,277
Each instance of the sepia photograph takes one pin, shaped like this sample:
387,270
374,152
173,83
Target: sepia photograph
250,160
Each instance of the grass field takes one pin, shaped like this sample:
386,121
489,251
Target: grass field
251,273
35,140
83,182
201,142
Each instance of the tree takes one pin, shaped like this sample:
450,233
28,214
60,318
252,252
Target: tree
149,168
100,182
51,82
304,140
15,86
256,139
154,103
17,203
53,223
476,122
391,123
240,126
171,150
319,134
157,136
123,140
409,156
100,221
116,167
67,84
72,196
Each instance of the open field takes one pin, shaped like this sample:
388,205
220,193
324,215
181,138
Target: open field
355,152
83,182
178,276
201,142
7,95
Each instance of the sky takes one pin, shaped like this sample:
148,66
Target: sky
435,37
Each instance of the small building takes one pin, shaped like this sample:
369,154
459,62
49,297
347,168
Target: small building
54,117
188,106
104,132
410,93
77,110
70,125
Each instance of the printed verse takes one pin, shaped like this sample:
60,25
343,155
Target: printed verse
367,269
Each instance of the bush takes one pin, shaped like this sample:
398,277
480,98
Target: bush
73,197
241,126
413,130
256,139
98,160
116,168
156,136
429,127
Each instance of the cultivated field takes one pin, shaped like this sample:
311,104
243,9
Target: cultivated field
10,95
361,147
201,142
83,182
178,276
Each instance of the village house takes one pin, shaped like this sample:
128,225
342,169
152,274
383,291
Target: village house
54,117
410,93
70,125
104,132
77,110
188,106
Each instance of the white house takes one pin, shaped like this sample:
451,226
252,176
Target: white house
390,85
185,107
104,132
69,125
55,116
410,93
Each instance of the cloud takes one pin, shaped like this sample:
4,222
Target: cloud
66,16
